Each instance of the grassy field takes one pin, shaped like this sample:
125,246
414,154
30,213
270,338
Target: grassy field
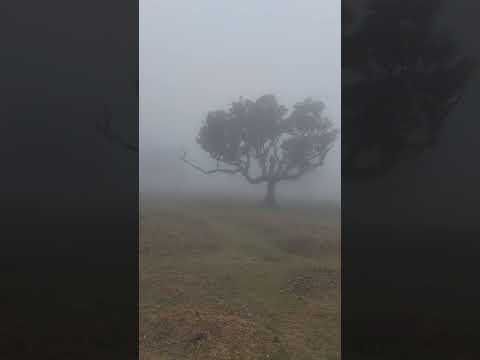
223,280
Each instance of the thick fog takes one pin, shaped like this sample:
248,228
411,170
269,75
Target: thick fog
200,56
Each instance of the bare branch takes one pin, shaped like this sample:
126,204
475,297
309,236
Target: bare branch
244,171
106,130
213,171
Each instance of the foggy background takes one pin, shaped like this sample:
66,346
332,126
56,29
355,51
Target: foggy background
196,57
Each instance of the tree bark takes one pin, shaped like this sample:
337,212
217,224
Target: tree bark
270,200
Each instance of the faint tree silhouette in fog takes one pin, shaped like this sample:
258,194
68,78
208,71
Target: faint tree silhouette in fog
257,140
402,77
105,127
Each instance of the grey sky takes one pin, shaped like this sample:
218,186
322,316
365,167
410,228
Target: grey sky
197,56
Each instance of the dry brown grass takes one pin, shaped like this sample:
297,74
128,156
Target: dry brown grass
223,281
204,333
313,281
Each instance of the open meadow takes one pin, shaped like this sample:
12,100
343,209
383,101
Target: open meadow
231,280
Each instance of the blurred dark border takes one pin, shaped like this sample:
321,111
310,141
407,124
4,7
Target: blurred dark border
69,223
410,226
69,250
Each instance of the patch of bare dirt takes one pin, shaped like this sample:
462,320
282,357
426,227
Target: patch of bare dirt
312,280
204,334
322,340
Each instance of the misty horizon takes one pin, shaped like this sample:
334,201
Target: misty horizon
215,59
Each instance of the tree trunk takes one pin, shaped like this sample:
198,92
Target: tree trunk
270,200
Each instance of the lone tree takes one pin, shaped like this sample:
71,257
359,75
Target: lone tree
257,140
